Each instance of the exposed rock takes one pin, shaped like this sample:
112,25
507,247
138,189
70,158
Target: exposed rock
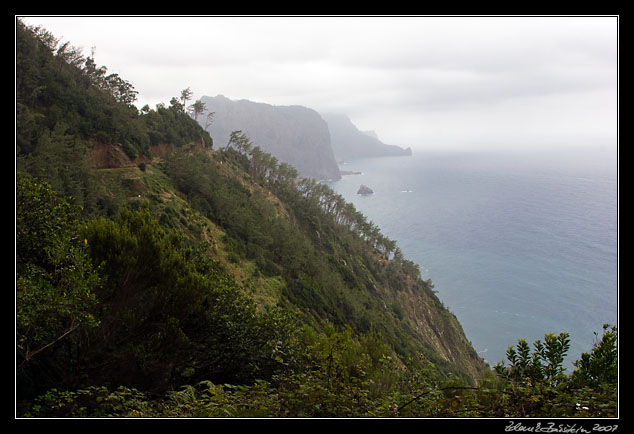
365,190
109,156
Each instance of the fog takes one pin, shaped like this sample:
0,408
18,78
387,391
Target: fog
425,82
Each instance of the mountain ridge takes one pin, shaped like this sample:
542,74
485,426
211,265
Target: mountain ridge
295,134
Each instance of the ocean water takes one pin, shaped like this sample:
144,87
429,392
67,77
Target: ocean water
516,243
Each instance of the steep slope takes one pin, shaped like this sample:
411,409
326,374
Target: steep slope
348,142
293,134
304,249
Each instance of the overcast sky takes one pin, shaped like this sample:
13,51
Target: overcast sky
424,82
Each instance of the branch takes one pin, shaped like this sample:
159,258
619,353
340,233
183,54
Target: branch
29,355
429,391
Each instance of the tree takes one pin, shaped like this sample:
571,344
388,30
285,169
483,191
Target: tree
239,141
122,90
55,277
198,107
544,364
535,385
175,104
600,366
70,54
209,119
186,95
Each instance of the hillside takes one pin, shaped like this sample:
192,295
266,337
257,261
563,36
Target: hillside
157,276
293,134
286,241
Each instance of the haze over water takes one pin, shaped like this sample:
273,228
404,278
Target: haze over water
517,243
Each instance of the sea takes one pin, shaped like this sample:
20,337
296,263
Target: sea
517,243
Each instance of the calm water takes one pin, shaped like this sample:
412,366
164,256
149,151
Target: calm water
517,244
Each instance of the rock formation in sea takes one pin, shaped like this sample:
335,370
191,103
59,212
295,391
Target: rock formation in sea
365,190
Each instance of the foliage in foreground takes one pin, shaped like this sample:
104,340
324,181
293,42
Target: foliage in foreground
355,378
122,301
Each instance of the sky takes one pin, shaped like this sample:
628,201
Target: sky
429,82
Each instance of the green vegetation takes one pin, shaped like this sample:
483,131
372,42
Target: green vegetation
159,277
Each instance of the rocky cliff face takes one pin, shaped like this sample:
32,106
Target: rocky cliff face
293,134
348,142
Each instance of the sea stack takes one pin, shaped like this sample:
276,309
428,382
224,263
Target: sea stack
364,190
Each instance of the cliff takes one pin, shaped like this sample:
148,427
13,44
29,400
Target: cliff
347,141
293,134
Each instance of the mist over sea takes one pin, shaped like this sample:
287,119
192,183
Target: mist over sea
516,243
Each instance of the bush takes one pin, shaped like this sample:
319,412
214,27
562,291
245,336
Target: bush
55,282
91,402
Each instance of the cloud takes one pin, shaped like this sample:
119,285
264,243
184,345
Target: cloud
414,80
